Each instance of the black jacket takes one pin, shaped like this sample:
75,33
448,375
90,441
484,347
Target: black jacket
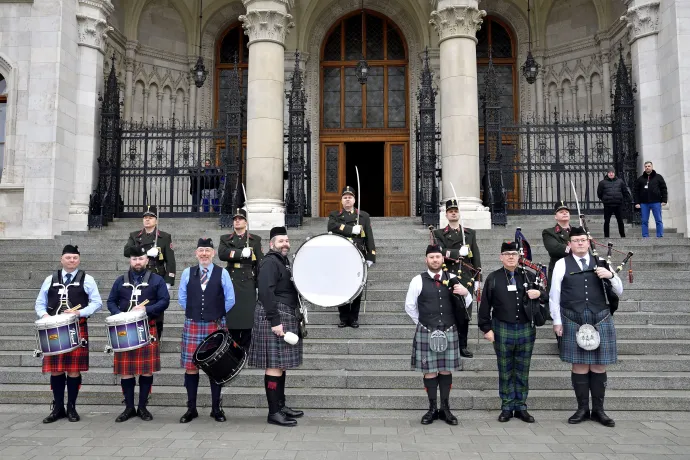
656,193
276,286
612,192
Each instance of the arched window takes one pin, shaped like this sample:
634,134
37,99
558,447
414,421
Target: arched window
382,101
232,45
496,36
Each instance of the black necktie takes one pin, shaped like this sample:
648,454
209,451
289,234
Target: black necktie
68,279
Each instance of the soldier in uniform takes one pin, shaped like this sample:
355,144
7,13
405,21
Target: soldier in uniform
159,249
450,240
556,238
242,251
344,222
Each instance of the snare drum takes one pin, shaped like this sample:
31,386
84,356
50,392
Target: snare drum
329,270
57,334
127,331
220,357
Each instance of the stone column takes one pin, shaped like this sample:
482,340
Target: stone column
159,106
130,53
173,103
559,93
588,90
457,22
145,96
540,89
266,23
192,91
606,82
93,28
185,115
573,90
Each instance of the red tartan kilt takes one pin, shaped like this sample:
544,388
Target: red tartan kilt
144,360
76,360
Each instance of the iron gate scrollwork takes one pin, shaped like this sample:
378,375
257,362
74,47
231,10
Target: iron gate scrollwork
528,166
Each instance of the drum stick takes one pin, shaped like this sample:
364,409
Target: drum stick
74,308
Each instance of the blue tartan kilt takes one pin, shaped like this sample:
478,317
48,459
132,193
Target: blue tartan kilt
267,350
605,354
428,361
193,333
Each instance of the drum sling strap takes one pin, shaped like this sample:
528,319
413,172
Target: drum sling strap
128,280
57,279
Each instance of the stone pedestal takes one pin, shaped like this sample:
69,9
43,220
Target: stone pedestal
266,23
457,22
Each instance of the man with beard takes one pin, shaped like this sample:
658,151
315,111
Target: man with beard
206,295
159,249
450,239
556,238
430,305
242,251
276,314
146,360
81,289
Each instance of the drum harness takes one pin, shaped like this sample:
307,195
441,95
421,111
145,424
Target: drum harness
136,289
64,301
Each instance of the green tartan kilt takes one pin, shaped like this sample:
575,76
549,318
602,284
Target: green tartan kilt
428,361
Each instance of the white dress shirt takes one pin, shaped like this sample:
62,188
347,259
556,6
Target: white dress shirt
415,289
557,279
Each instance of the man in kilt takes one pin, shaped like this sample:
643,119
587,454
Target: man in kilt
578,297
206,295
242,251
144,361
504,322
276,313
81,289
430,305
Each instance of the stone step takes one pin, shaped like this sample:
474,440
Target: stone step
470,380
324,398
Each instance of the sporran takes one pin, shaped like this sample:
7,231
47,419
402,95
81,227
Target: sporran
588,337
438,341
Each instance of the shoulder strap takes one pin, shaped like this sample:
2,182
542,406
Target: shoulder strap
56,277
147,276
127,278
80,278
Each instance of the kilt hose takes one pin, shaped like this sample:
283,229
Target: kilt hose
513,344
267,350
428,361
605,354
144,360
76,360
193,333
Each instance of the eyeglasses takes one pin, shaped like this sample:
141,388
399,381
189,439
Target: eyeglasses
579,240
510,254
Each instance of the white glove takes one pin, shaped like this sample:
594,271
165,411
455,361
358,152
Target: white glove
369,263
464,251
153,252
357,229
169,286
246,253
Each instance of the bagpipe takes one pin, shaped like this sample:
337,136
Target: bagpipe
471,275
537,311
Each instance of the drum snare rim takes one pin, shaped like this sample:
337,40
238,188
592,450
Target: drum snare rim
56,321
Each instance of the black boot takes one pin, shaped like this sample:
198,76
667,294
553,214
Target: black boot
73,385
145,384
216,401
431,386
57,408
275,416
288,411
597,385
445,413
191,382
445,383
190,415
56,413
581,387
128,392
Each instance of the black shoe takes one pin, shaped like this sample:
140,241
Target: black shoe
291,413
580,415
524,416
466,353
342,324
280,419
446,415
128,413
188,416
218,415
598,415
354,323
72,415
144,414
57,412
505,415
431,415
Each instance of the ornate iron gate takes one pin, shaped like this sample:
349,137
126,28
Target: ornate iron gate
529,166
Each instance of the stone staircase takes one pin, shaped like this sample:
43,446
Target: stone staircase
366,368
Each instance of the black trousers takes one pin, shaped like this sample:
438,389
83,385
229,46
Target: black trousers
350,311
463,330
243,337
608,212
159,328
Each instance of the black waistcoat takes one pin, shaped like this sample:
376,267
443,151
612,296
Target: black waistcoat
125,292
75,293
434,304
208,304
581,290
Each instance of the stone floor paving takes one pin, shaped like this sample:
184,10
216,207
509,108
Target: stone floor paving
340,435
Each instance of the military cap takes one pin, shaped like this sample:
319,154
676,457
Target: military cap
151,211
561,205
348,189
239,212
452,203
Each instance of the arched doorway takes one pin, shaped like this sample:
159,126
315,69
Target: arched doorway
365,125
230,48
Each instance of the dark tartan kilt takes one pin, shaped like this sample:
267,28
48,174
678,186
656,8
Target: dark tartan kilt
76,360
606,353
427,361
193,333
267,350
144,360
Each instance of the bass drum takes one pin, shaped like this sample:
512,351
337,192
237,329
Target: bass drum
329,271
220,357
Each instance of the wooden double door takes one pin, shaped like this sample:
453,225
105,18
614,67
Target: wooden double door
383,172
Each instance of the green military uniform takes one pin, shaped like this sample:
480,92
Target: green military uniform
341,223
243,272
556,242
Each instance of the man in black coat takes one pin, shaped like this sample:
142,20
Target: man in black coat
612,192
650,195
